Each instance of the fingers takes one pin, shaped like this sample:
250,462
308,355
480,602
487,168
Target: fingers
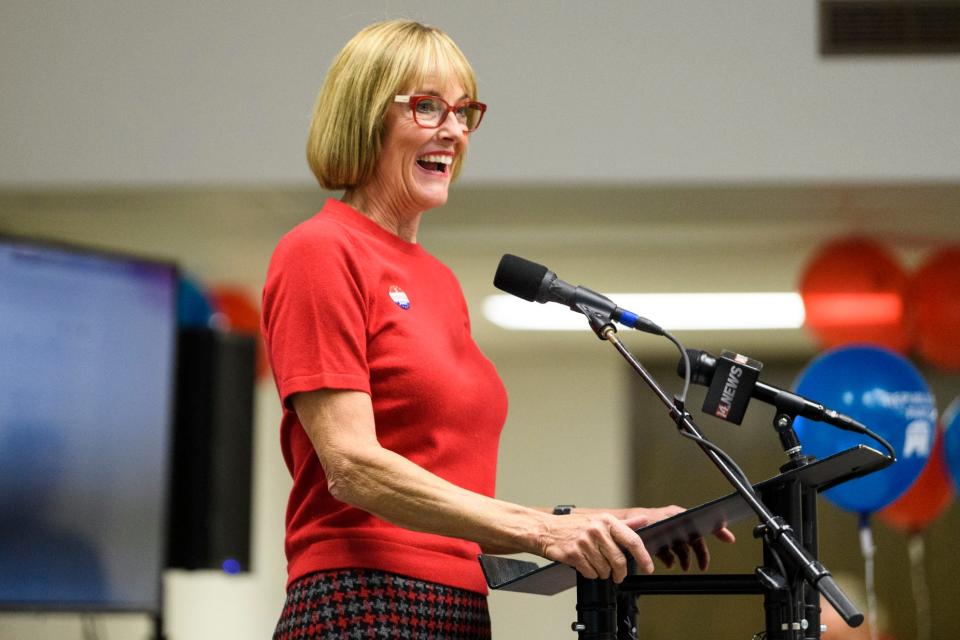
598,551
594,545
602,547
616,563
624,536
592,564
700,549
725,535
666,557
679,551
638,520
682,550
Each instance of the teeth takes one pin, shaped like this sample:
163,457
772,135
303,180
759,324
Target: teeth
448,160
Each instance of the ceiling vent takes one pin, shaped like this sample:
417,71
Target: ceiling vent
884,27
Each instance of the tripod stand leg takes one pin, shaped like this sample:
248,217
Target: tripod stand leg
793,611
596,609
626,615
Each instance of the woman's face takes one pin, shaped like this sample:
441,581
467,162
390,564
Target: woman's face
416,164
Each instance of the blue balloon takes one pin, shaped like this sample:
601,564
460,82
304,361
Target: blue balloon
951,439
883,391
194,308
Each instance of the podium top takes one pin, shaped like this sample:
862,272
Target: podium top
508,574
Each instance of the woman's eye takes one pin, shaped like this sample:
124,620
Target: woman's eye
427,106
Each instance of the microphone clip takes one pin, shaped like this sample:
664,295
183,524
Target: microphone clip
601,322
783,425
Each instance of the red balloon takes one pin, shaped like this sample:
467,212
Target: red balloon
237,312
853,292
926,498
934,301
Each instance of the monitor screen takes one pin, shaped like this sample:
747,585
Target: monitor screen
87,349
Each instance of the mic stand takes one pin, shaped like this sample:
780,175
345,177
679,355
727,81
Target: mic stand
780,545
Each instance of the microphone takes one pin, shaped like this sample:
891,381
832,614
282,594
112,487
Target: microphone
735,390
535,283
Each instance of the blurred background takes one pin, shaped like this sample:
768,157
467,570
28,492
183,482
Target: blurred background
653,147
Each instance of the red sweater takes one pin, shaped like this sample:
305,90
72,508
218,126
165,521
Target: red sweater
349,305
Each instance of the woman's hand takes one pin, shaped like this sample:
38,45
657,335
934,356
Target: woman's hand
591,543
680,551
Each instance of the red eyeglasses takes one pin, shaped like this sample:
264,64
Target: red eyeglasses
430,111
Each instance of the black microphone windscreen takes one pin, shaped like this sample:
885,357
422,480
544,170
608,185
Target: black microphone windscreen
702,366
519,277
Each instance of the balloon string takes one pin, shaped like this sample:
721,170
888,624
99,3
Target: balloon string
867,550
918,578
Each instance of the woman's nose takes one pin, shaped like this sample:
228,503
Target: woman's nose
452,128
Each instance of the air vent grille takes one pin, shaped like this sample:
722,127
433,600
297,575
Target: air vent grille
851,27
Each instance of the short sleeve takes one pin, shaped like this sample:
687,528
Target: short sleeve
314,318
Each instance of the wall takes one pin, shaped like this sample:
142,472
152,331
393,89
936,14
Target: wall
179,92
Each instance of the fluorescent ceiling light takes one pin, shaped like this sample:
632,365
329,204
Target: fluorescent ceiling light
672,311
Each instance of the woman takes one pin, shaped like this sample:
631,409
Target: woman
391,415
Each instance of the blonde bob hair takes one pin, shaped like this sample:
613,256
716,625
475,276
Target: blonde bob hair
383,60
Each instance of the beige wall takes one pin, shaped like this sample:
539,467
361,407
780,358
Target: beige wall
177,92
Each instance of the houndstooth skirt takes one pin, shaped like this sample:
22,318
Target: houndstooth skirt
360,604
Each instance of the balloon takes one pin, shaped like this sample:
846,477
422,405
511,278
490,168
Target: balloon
237,312
193,306
884,392
951,439
853,292
934,299
926,498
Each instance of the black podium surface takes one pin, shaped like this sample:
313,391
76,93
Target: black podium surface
508,574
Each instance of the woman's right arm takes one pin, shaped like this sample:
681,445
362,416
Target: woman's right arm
365,475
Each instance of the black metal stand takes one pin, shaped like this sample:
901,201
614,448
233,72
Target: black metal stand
606,611
596,609
791,578
791,575
791,606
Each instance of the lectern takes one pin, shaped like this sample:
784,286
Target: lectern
605,611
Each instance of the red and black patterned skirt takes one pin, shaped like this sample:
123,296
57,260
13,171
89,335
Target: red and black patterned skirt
356,604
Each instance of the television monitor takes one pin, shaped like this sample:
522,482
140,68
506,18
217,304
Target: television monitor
87,350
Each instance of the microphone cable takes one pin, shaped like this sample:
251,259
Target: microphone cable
856,427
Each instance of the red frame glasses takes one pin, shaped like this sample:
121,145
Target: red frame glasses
414,101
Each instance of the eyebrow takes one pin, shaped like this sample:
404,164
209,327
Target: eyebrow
437,94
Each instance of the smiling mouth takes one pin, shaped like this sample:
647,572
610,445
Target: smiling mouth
436,163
